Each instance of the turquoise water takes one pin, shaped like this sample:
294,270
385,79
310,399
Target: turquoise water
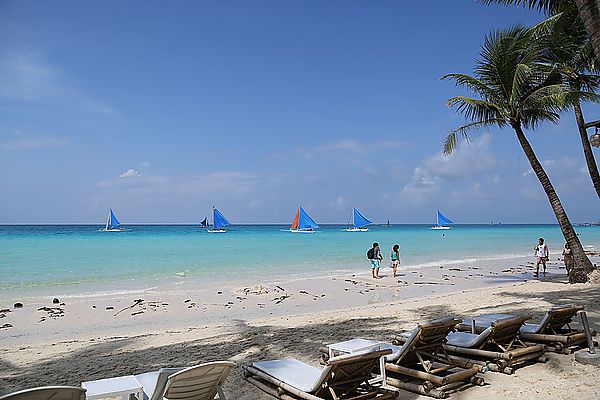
81,259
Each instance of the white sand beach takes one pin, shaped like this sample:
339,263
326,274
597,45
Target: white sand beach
88,338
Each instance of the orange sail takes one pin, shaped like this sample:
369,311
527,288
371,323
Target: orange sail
296,219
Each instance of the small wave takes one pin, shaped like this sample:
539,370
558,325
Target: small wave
108,293
444,262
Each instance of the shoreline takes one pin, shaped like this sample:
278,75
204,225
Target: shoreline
178,305
185,280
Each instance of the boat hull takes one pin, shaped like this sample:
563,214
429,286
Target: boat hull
216,230
301,230
112,230
356,229
440,228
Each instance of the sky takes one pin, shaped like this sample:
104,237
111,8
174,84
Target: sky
161,110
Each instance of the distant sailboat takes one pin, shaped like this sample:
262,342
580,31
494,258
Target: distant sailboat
442,221
359,222
204,223
112,223
219,222
303,223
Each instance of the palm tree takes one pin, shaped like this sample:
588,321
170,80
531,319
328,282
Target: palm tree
516,89
569,46
569,49
589,12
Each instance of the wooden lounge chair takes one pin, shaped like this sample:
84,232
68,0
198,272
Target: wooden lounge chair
47,393
200,382
422,365
498,346
554,330
344,377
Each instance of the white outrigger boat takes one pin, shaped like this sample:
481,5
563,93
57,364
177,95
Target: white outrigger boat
441,222
219,222
359,222
112,223
303,223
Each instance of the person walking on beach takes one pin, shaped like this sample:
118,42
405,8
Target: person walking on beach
568,258
395,258
541,256
374,254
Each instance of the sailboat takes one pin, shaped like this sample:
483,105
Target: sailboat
359,222
219,222
442,221
204,223
303,223
112,223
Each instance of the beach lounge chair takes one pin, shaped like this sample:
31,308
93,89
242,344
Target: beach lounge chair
344,377
498,346
200,382
554,330
47,393
419,363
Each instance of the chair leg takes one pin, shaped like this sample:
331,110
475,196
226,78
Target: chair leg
221,394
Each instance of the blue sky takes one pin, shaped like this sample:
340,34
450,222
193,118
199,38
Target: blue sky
162,109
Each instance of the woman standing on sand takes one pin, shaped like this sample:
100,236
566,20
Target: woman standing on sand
395,258
568,258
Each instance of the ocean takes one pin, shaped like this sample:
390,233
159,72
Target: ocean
78,259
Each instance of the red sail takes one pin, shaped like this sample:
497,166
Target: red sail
296,219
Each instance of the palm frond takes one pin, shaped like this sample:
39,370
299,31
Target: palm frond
549,6
475,109
451,141
471,83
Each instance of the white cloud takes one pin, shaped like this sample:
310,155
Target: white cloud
340,202
353,145
528,172
230,182
467,168
26,77
342,147
568,175
129,173
31,143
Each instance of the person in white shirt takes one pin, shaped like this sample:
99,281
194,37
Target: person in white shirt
541,256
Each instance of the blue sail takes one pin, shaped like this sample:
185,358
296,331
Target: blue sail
360,220
443,220
219,219
204,222
114,222
305,221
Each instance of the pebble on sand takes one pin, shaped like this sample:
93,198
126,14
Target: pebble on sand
18,305
55,301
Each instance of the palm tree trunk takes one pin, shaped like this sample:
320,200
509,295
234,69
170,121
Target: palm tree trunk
589,11
587,148
583,264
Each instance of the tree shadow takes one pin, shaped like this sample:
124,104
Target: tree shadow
248,343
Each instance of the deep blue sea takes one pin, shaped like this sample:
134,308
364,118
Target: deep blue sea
80,259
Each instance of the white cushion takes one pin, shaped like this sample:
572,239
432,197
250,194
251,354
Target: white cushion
293,372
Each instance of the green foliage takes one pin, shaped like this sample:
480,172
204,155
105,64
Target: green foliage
525,76
548,6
